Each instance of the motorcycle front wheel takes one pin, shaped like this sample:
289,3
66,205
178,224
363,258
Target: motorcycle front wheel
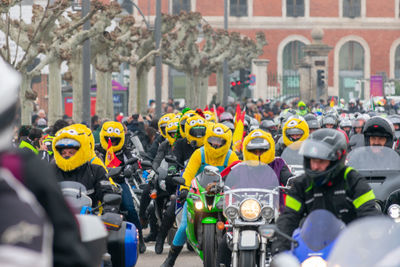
247,258
209,245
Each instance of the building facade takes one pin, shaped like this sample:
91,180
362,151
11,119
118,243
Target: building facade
364,36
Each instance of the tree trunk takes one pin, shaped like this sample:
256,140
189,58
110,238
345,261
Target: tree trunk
133,90
77,87
54,93
193,88
101,94
203,91
220,85
26,104
142,80
110,96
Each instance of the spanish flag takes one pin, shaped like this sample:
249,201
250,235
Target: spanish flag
111,160
237,137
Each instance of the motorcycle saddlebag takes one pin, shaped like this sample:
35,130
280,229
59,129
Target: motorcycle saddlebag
123,245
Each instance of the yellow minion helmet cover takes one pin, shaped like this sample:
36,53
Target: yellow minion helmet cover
163,122
115,131
218,140
294,127
259,146
171,129
182,121
195,130
72,136
210,116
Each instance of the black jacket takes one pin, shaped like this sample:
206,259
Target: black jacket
137,128
89,175
152,151
347,197
163,150
40,179
183,150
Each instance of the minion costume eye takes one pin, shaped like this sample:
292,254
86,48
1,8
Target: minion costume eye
110,130
218,130
207,116
117,131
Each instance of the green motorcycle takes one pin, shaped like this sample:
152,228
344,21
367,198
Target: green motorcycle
205,226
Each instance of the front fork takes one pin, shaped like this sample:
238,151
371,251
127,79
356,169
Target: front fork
235,249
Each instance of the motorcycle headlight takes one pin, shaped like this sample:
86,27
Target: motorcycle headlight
267,212
231,212
394,211
250,209
314,261
198,205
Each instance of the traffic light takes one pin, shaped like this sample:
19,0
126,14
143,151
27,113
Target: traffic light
321,78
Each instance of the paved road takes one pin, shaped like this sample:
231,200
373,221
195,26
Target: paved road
185,259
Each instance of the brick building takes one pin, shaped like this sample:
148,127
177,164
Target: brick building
364,36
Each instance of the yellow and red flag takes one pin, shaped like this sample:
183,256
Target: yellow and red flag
111,160
332,103
237,138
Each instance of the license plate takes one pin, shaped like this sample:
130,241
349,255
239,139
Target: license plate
248,239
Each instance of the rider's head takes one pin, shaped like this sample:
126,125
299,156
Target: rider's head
346,125
9,103
269,126
71,147
329,121
395,119
171,130
186,113
313,123
115,132
324,154
259,146
218,140
210,116
358,125
163,122
295,129
195,130
379,131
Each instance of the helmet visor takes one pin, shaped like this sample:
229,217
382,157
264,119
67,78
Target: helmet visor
317,150
258,144
198,131
67,143
216,142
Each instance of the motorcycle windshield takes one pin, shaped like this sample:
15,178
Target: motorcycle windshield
291,155
320,229
73,185
75,194
252,180
371,241
374,158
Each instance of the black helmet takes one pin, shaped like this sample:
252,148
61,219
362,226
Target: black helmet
226,116
395,119
327,144
378,126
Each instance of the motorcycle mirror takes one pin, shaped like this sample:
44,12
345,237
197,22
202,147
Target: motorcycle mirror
114,171
178,180
112,199
267,231
146,164
211,170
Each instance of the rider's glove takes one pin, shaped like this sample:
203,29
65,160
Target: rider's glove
183,195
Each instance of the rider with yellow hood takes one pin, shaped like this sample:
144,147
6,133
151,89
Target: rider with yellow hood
294,130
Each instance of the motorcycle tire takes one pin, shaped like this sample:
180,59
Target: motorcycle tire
210,250
247,258
189,247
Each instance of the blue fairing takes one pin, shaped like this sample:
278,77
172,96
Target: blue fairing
317,235
131,245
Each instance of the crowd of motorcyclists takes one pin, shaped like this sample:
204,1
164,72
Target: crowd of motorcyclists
193,138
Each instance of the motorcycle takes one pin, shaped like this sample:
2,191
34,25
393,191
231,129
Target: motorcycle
251,200
205,225
312,243
293,159
380,166
122,238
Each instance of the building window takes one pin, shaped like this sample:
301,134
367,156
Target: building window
292,55
295,8
351,69
238,8
351,8
180,5
397,63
